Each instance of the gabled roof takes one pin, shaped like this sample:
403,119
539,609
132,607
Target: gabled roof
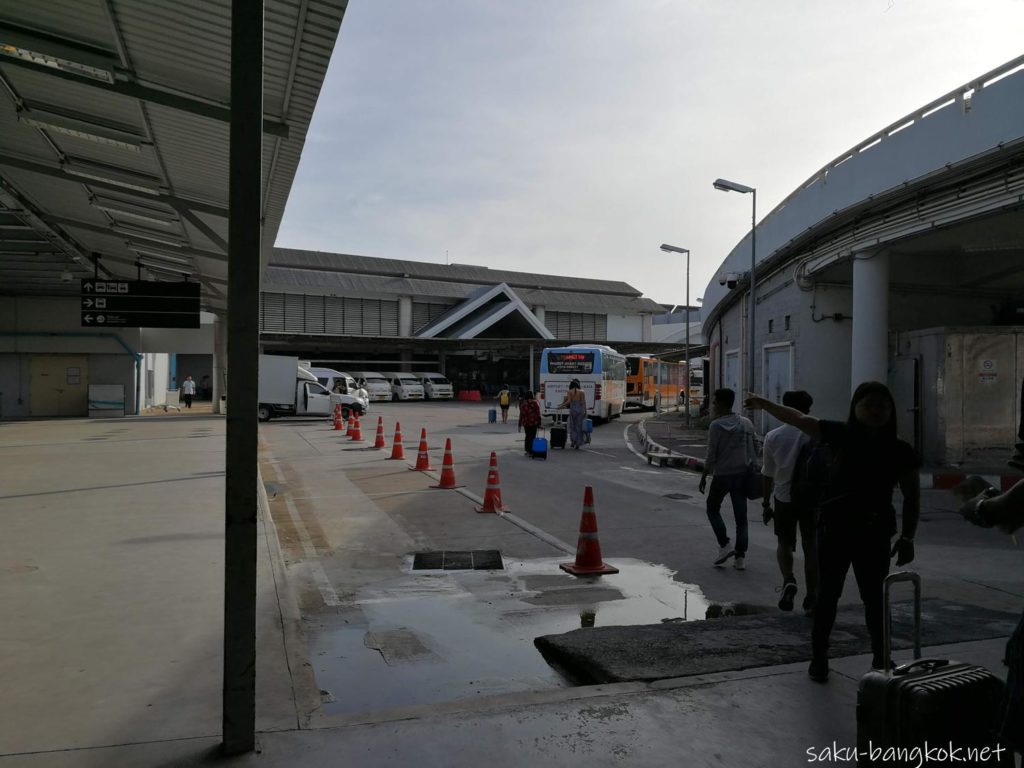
483,311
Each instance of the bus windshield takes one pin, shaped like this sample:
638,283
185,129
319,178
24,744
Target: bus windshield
570,362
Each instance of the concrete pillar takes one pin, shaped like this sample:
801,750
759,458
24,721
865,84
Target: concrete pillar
538,312
870,353
218,374
405,316
647,327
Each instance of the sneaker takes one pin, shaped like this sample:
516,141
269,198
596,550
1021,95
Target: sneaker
788,593
809,601
818,669
738,563
724,554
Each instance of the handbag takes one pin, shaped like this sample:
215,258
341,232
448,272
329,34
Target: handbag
753,485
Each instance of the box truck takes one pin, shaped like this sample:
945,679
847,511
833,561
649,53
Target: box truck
287,389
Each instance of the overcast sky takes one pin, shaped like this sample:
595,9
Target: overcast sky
573,137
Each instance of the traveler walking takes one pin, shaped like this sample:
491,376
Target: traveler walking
529,420
576,401
504,401
784,448
857,519
188,391
731,451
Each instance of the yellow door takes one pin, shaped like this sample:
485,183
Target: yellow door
60,385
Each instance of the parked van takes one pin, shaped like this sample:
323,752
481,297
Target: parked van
436,386
375,383
339,382
404,386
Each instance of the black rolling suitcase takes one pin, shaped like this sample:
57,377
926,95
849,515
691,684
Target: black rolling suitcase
928,704
558,435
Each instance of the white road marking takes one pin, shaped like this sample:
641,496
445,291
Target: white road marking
625,439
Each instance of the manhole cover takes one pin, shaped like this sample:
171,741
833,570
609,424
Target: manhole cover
453,560
678,496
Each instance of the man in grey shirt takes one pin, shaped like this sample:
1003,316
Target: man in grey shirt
730,451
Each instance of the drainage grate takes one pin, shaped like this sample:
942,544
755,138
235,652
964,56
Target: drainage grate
678,496
451,560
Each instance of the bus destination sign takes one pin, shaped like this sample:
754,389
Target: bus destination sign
571,362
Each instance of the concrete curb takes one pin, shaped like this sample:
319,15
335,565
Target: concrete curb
664,456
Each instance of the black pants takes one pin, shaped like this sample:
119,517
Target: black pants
188,400
867,550
530,433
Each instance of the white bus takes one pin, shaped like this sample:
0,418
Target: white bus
601,372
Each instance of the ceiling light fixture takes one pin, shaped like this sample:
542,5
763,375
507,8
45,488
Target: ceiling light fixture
164,261
164,218
55,53
164,238
80,127
109,174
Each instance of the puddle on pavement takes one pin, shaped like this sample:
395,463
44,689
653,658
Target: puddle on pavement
430,636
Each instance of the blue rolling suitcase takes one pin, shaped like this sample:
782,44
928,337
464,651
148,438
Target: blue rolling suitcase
492,416
937,702
540,448
588,428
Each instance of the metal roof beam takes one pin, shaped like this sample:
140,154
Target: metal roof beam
153,94
56,173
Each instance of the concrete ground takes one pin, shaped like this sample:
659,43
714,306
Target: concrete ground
111,586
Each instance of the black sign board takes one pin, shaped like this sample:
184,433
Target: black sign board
139,304
571,362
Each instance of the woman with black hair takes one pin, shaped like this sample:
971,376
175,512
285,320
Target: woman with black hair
856,517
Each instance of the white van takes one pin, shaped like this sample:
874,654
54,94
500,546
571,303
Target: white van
404,386
376,384
436,386
339,382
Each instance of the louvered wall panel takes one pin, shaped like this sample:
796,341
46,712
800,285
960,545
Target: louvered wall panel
353,316
389,318
371,318
294,313
272,313
315,314
334,316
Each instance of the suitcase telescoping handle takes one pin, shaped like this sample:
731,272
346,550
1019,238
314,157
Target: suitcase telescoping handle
891,579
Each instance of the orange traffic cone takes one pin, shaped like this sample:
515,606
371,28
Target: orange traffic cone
588,548
350,426
447,468
379,442
492,496
339,424
423,458
398,450
357,433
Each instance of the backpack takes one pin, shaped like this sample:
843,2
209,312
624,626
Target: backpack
811,474
504,396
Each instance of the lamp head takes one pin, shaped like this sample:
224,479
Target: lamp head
673,249
724,185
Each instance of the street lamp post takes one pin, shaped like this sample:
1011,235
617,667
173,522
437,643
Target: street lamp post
731,186
673,249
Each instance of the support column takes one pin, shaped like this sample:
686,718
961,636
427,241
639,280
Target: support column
241,500
405,316
538,312
219,372
870,343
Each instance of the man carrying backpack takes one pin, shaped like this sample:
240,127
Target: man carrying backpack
788,466
504,401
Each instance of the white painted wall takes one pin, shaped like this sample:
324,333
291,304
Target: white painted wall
625,328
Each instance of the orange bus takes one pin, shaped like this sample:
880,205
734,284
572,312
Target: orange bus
651,382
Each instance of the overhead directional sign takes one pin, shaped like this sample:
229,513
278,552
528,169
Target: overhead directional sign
139,304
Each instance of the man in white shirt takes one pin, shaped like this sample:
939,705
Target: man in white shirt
782,452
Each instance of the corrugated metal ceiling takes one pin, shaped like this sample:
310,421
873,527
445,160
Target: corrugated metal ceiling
175,56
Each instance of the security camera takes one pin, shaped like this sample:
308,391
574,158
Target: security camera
729,279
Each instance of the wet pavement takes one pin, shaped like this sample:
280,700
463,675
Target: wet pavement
361,659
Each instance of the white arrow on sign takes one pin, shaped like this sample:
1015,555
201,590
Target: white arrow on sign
86,286
87,302
88,318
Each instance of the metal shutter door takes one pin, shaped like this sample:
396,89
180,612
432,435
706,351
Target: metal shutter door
294,313
334,315
389,318
272,312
